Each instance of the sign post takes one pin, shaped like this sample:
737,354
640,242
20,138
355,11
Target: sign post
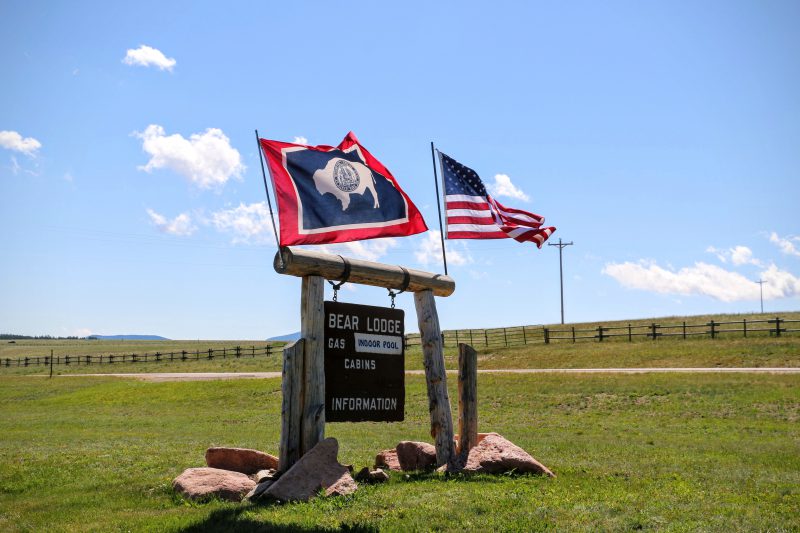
353,355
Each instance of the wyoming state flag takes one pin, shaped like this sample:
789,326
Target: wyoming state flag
331,194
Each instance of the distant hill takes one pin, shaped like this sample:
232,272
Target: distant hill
288,338
128,337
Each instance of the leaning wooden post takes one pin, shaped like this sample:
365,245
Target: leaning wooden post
467,398
436,378
292,405
312,332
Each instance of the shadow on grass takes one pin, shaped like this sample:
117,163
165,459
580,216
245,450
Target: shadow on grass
230,520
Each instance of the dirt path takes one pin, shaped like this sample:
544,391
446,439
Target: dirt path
205,376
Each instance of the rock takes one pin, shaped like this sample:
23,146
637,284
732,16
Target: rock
260,489
241,460
201,483
317,469
495,454
481,436
416,455
388,459
344,485
374,476
264,475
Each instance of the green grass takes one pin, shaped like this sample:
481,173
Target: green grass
676,452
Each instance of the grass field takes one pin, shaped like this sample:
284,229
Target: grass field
676,452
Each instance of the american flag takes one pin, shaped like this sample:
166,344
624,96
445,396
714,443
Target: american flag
472,213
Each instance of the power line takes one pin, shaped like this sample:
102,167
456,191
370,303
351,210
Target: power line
561,246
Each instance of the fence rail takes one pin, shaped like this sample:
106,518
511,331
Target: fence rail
181,356
498,337
521,335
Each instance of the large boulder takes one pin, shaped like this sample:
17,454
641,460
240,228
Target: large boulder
317,469
203,483
242,460
387,459
495,454
416,455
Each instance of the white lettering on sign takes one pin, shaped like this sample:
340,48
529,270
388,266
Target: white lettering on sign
336,343
387,344
340,321
363,404
359,364
383,325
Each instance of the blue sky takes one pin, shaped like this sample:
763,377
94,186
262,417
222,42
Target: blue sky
662,138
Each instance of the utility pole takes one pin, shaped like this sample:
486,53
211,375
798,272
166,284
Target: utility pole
561,246
761,283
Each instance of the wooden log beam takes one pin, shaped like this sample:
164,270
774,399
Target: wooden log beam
311,331
301,263
467,398
292,405
436,378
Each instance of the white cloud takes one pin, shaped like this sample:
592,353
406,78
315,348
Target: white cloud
82,332
738,255
502,186
69,177
146,56
430,251
248,223
181,225
370,250
207,159
15,168
703,279
300,140
785,244
12,140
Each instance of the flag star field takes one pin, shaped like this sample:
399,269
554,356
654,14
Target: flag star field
661,138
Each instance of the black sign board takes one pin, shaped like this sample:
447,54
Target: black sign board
364,363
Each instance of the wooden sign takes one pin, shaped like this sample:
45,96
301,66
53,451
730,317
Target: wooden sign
364,363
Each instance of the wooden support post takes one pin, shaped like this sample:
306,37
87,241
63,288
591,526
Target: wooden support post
292,405
436,378
311,331
467,399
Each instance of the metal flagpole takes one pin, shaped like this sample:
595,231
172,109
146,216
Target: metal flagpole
269,202
438,206
561,246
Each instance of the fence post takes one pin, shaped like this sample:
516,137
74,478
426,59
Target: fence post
66,359
470,337
238,352
158,357
467,398
26,361
600,332
456,337
291,405
183,355
713,333
51,363
505,337
653,327
224,353
210,354
684,330
777,326
524,337
573,334
546,335
744,327
486,337
89,359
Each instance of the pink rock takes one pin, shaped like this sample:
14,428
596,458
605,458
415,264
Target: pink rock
388,459
416,455
495,454
317,469
201,483
241,460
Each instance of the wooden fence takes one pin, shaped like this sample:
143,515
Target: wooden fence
183,355
521,335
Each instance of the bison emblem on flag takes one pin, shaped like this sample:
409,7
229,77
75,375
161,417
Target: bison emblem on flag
336,194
